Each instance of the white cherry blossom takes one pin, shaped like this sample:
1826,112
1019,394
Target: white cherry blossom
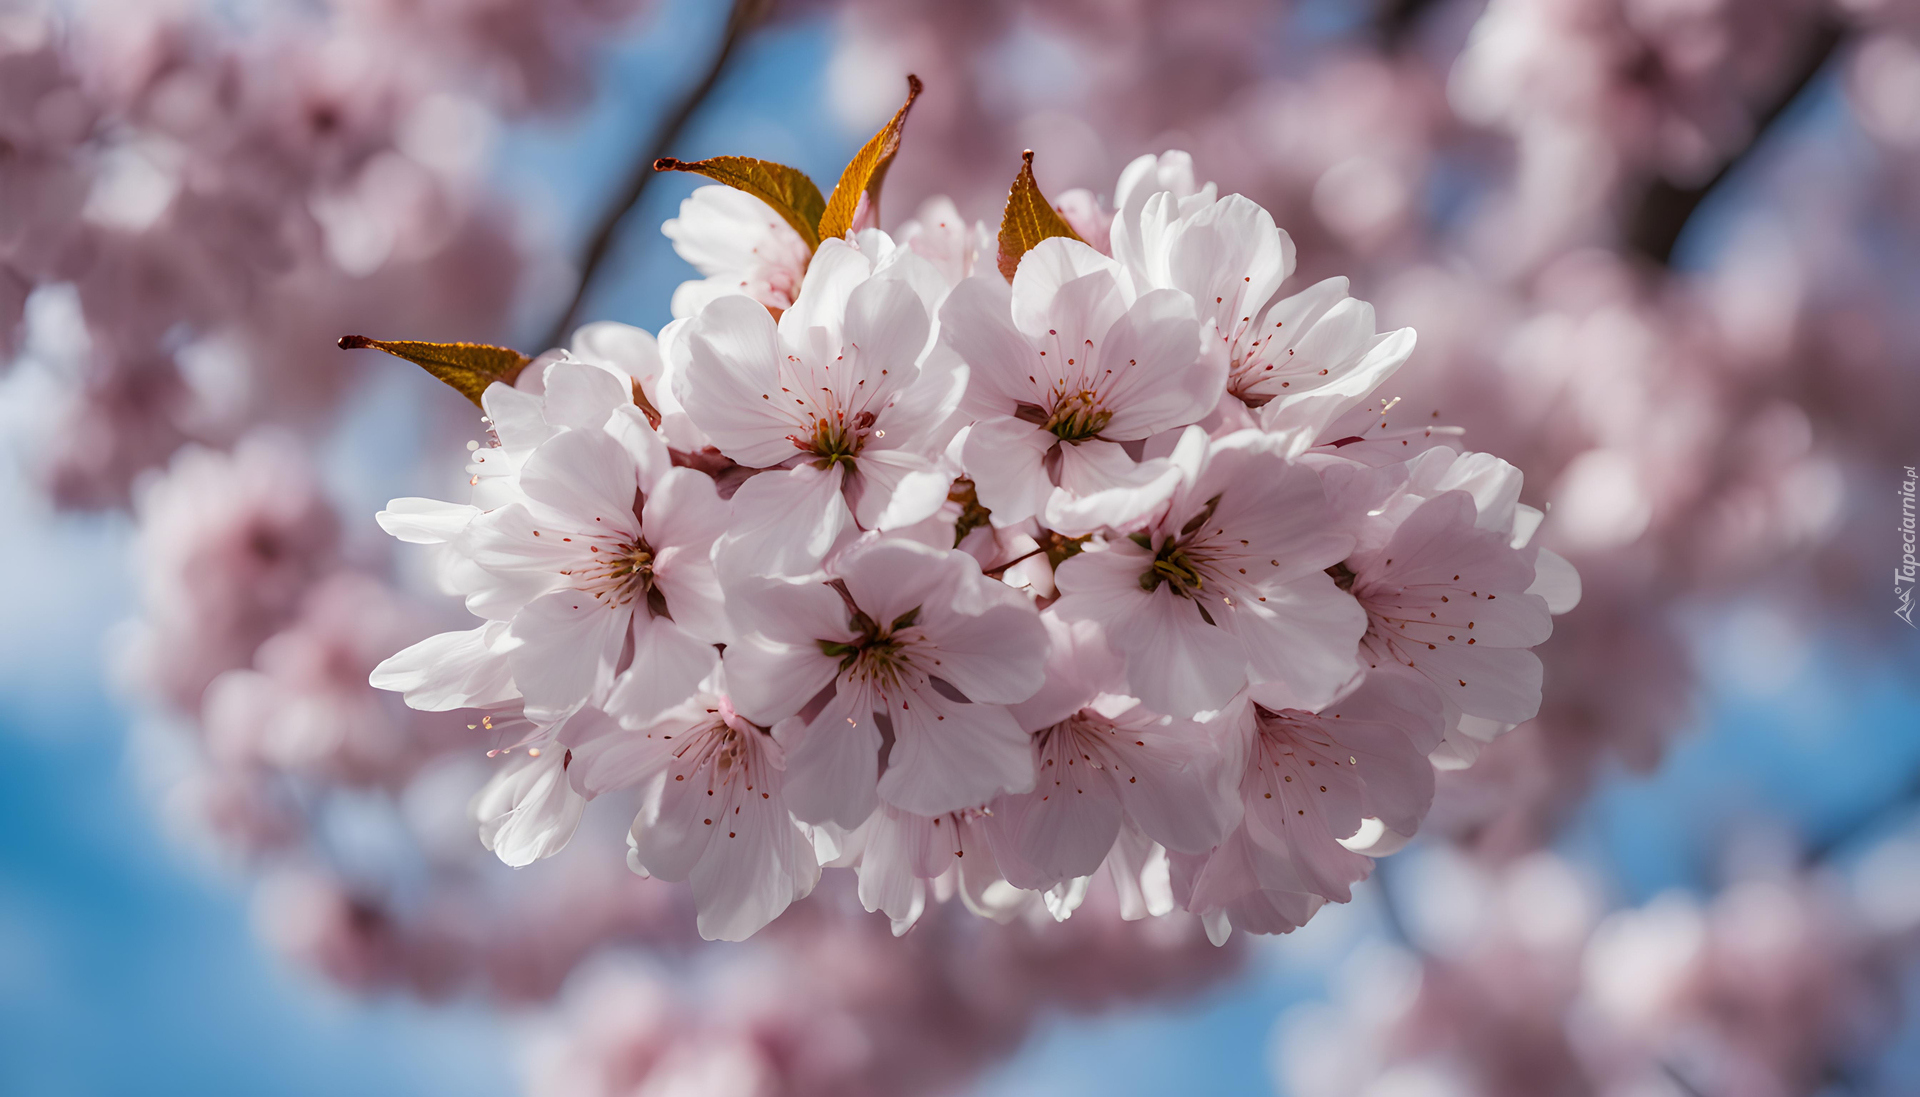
1226,585
1295,364
917,646
600,568
841,398
1067,366
1449,601
1480,540
712,810
1308,782
1103,761
742,247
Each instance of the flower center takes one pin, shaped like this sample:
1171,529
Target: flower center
624,575
1172,566
1177,563
1078,416
876,653
837,439
730,745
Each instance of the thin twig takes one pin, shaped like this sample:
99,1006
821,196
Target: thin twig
1879,817
1673,1075
1664,210
1397,21
741,19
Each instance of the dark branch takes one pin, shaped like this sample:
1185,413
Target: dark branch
1664,210
1871,821
744,15
1395,21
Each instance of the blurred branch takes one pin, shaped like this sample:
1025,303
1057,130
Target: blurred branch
1396,20
1877,818
1680,1080
1664,210
741,19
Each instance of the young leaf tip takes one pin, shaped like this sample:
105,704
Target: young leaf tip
1029,219
856,197
467,367
786,190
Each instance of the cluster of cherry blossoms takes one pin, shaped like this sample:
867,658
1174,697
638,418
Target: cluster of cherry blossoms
1072,556
1519,982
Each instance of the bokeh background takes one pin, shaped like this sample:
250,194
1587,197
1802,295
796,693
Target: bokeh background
1663,254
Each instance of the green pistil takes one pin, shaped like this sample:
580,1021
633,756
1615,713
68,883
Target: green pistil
833,444
874,645
1078,417
1171,565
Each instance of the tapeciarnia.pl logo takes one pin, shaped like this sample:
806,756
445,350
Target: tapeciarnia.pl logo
1904,574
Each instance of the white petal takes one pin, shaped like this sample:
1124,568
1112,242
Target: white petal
425,521
833,766
568,643
1004,457
732,381
528,811
582,395
1556,581
785,523
948,755
452,670
585,475
669,664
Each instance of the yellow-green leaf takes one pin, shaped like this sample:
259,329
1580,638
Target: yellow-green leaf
788,190
866,172
1029,219
468,367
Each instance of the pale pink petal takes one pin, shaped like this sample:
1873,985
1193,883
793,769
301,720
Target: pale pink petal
669,664
452,670
976,322
832,768
586,475
1004,458
770,680
568,642
948,755
895,488
1046,270
528,811
786,522
425,521
733,381
582,395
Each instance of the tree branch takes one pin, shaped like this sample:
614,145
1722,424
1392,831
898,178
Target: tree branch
742,18
1395,21
1876,818
1664,210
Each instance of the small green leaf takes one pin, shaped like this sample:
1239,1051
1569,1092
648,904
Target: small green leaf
866,172
1028,220
468,367
788,190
